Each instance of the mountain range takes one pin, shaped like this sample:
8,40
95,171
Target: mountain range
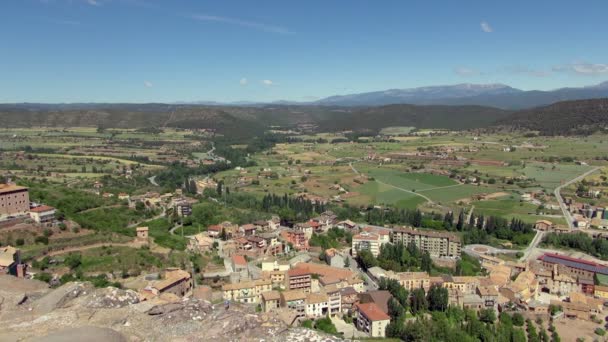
493,95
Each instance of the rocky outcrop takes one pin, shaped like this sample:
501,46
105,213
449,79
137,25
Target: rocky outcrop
77,310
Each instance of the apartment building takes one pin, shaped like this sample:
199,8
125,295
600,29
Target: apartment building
366,241
438,244
371,319
299,279
14,200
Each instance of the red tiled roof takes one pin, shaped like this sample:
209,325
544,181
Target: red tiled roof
41,209
372,311
239,260
215,228
298,272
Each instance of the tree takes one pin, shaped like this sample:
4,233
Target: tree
347,262
438,298
73,260
426,263
418,303
518,319
487,315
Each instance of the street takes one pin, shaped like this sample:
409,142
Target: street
560,200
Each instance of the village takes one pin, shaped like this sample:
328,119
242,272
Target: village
275,269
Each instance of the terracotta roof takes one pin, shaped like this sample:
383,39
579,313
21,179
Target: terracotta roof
215,228
248,226
271,295
5,188
297,272
293,295
316,298
379,297
239,260
41,209
372,312
367,236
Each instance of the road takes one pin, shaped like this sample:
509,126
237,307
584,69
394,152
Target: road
371,285
560,200
537,239
469,215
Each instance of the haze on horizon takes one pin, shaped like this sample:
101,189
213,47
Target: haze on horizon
168,51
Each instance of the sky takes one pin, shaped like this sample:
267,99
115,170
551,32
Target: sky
256,50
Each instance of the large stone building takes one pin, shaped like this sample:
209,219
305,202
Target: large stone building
14,200
438,244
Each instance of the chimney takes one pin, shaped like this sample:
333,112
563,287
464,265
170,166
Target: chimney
21,270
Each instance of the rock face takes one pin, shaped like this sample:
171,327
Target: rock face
77,310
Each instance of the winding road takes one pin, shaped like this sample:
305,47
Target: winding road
560,200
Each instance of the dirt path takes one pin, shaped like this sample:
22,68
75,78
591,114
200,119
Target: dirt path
95,245
395,187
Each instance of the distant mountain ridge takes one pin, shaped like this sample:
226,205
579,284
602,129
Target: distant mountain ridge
492,95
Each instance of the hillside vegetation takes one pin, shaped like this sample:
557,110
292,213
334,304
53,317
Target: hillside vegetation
562,118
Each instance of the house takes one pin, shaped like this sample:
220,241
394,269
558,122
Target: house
247,229
10,262
248,292
43,214
183,208
382,232
201,243
271,301
543,225
175,281
348,298
574,267
243,244
214,231
371,319
379,297
472,302
334,258
294,300
317,305
347,224
239,263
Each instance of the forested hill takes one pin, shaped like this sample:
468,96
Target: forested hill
253,120
562,118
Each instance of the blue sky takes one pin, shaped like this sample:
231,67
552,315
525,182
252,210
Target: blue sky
191,50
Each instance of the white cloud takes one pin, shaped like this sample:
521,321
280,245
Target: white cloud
93,3
583,68
243,81
268,82
243,23
527,71
148,84
485,27
466,72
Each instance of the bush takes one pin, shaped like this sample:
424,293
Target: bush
600,332
43,276
42,239
20,242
